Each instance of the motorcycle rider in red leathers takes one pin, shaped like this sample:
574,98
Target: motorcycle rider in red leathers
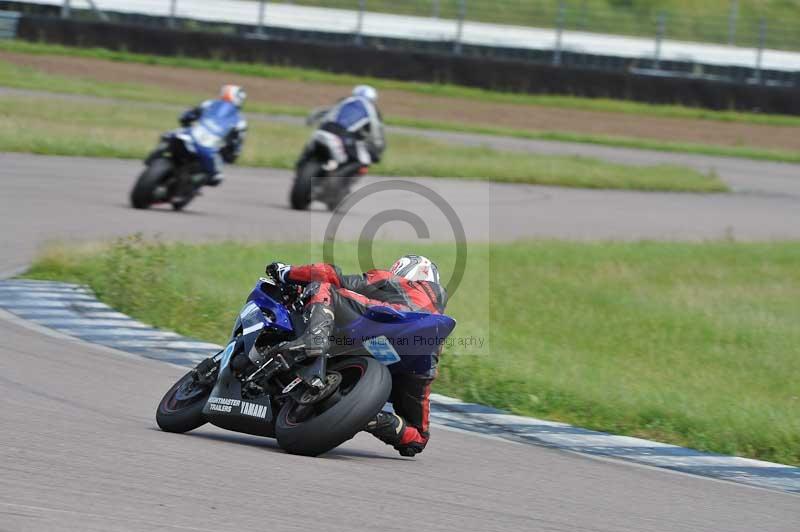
411,284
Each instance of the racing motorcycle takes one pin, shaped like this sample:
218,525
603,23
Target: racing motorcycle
309,404
178,167
325,173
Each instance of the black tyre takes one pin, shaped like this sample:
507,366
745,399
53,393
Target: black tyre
300,197
142,195
335,199
181,408
363,390
179,205
337,196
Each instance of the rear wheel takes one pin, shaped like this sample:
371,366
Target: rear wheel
300,197
361,386
144,191
181,408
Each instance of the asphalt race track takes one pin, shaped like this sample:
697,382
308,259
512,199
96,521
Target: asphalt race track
60,198
79,449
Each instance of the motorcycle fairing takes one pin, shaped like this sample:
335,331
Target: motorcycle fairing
408,339
414,336
259,312
225,406
207,136
279,316
332,144
227,409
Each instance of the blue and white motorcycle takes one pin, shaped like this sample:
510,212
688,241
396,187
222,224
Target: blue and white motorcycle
309,404
184,158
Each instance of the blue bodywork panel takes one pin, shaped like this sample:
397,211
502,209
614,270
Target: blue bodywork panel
414,336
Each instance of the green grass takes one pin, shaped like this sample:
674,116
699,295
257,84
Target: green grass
694,344
42,126
20,77
637,143
432,89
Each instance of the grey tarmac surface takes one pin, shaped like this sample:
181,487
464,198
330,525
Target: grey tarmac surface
38,193
743,175
79,450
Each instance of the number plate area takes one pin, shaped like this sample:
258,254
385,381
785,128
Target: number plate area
382,350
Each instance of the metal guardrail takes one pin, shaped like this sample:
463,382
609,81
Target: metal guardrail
729,22
9,20
570,38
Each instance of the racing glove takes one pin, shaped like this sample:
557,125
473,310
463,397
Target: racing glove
189,116
278,271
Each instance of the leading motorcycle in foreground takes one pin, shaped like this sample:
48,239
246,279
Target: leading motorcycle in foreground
180,164
309,404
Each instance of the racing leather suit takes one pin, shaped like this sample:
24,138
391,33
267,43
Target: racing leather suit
233,139
357,124
332,296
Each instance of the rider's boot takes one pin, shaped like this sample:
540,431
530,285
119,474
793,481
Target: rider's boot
215,180
316,340
393,430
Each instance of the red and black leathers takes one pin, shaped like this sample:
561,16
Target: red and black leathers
349,296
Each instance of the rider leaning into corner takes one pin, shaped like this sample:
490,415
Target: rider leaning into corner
227,107
357,123
412,284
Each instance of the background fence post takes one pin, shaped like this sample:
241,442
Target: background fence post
762,40
559,32
362,6
66,10
173,8
733,18
96,10
661,24
462,12
262,11
437,8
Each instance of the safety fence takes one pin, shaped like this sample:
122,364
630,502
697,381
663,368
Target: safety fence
584,33
731,22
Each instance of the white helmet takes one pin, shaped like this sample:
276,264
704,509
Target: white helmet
366,91
416,268
234,94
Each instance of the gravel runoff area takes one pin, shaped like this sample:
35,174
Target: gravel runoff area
425,107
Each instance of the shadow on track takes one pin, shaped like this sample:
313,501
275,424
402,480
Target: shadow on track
272,445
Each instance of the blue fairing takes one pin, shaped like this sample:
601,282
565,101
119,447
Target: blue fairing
208,134
414,336
220,117
280,318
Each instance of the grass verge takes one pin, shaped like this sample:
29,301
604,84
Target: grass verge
434,89
19,77
36,125
694,344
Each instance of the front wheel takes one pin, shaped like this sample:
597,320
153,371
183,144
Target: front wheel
300,197
144,191
362,388
181,408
